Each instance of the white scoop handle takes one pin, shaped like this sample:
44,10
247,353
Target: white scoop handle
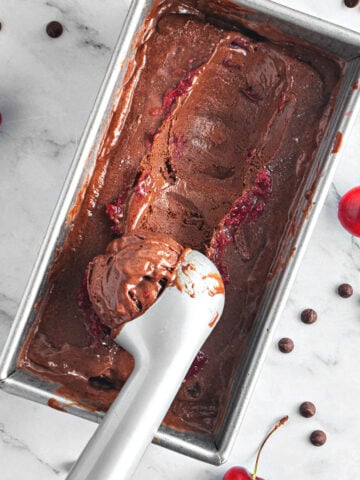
164,342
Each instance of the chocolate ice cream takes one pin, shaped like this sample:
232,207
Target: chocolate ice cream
223,126
125,281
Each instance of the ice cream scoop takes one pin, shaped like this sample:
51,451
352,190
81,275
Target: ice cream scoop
164,341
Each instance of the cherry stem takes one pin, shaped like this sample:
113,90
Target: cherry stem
278,425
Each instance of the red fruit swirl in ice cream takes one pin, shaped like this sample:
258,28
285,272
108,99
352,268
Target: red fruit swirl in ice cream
246,209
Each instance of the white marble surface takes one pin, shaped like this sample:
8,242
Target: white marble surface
47,88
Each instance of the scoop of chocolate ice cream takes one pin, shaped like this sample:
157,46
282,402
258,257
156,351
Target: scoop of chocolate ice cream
125,281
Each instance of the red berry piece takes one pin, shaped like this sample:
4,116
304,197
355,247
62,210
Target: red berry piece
198,364
182,87
115,211
349,211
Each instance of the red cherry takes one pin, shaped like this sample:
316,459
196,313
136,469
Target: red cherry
239,473
349,211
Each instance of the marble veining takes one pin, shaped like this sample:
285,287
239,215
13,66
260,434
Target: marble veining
47,89
15,443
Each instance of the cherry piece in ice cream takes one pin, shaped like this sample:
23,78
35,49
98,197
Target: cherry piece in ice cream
246,209
197,365
182,87
115,211
349,211
125,281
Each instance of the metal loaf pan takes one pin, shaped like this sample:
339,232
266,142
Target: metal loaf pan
345,44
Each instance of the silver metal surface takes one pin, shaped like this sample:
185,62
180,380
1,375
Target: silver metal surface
343,42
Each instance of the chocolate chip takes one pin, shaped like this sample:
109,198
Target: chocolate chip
54,29
351,3
308,316
286,345
307,409
318,438
345,290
